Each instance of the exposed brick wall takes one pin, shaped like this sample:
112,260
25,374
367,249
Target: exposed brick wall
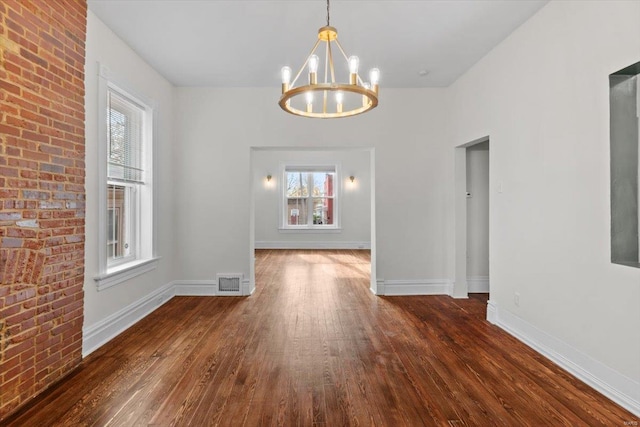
42,194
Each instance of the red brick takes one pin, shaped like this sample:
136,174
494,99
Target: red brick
33,117
42,132
16,349
32,136
21,102
9,130
11,88
20,123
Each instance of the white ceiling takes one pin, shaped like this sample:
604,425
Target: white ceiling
244,43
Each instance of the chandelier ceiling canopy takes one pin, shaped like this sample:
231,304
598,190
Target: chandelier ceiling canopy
328,98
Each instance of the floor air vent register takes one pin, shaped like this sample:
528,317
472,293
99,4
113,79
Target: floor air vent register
229,284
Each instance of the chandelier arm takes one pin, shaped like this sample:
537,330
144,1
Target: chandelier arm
330,53
315,46
326,63
342,50
346,58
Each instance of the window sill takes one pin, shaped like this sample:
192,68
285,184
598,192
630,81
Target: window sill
311,230
125,272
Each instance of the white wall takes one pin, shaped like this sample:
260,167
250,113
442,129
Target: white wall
478,212
542,96
218,127
354,199
104,47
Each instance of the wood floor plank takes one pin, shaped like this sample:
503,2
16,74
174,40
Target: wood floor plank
314,347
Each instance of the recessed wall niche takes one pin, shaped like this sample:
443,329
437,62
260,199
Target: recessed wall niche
624,104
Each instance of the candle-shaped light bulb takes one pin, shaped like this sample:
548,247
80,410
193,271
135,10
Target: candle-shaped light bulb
339,99
286,75
286,78
354,62
313,69
374,76
309,98
313,63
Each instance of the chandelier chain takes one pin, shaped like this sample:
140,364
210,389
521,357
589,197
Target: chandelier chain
327,13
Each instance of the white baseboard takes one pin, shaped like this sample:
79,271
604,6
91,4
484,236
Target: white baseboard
416,287
379,290
478,284
617,387
492,312
311,245
196,288
207,288
247,287
95,336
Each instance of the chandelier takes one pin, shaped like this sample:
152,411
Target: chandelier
329,99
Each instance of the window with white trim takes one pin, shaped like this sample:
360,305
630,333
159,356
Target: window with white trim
310,197
125,177
126,189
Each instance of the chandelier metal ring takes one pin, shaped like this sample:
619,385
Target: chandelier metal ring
370,95
336,99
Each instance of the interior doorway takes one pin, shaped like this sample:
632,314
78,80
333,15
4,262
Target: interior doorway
477,168
354,201
472,221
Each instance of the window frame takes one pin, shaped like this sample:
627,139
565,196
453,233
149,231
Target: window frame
309,226
143,257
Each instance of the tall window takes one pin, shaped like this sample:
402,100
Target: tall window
310,197
125,176
126,194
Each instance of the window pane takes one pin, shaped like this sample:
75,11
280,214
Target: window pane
118,211
124,129
322,211
322,183
297,184
297,211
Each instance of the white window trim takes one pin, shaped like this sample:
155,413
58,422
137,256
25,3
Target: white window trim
283,227
124,272
109,276
638,115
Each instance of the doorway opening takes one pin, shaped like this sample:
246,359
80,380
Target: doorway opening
352,201
472,213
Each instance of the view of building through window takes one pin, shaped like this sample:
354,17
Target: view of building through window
125,175
310,198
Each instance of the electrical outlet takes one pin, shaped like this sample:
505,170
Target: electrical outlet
516,299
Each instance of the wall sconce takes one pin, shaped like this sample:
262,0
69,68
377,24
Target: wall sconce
268,181
352,178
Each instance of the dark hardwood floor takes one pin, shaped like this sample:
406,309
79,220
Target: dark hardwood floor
313,346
